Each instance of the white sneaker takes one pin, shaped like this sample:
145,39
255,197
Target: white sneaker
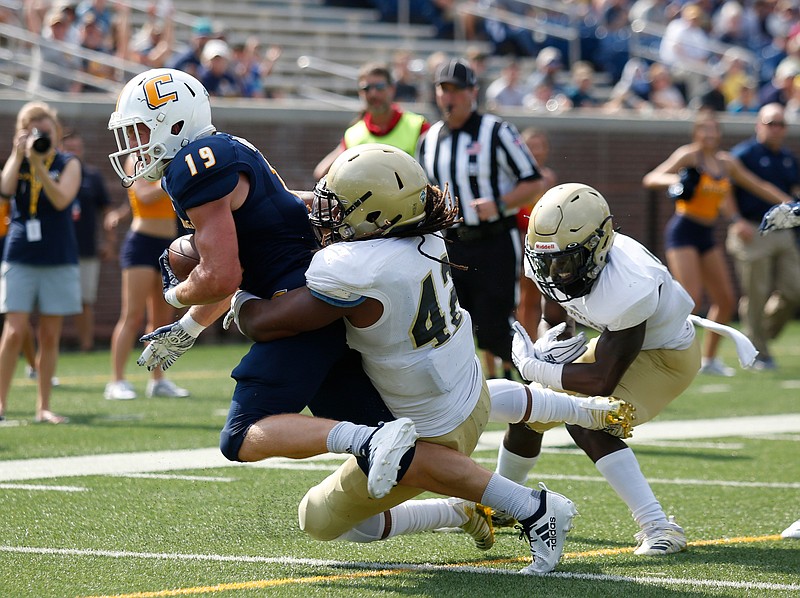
121,390
715,367
165,388
546,531
478,524
793,531
659,538
387,447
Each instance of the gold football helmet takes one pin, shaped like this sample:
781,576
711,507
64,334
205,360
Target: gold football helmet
370,190
569,235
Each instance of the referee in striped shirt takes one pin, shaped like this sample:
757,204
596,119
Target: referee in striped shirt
491,172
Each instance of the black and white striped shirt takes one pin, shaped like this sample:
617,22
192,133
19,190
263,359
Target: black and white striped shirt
484,158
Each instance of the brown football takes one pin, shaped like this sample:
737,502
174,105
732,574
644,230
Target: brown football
183,256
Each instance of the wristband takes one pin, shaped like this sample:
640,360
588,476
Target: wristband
171,297
191,327
548,374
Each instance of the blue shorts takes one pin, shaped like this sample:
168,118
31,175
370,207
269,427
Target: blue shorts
682,232
315,369
142,250
56,290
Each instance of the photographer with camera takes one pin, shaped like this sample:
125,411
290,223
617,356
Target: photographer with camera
699,178
40,260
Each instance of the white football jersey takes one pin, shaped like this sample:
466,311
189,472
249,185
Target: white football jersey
635,286
420,354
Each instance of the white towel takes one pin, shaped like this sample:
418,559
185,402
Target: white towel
744,348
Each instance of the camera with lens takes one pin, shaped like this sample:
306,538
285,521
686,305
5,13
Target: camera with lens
41,141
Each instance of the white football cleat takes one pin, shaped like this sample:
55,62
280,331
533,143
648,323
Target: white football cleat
387,446
546,531
793,531
659,538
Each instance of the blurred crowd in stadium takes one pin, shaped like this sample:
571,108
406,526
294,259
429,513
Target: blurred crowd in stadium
732,55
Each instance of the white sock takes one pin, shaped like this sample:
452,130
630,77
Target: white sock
551,406
514,467
346,437
621,470
507,496
423,515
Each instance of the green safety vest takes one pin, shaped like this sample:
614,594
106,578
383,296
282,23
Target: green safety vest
404,135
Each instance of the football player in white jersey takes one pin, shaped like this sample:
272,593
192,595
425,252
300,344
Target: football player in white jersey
782,216
394,288
646,353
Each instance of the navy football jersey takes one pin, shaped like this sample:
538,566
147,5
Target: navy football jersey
276,241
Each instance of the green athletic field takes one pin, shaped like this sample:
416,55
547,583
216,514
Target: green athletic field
167,523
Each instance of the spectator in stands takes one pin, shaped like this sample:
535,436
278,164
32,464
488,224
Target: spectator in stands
383,121
747,100
405,81
756,33
581,93
90,208
735,69
781,87
664,94
506,90
549,65
152,229
685,40
728,24
768,266
252,68
189,61
153,44
102,14
216,73
686,48
505,37
40,261
93,38
59,65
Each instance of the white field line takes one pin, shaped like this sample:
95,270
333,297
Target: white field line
208,458
283,561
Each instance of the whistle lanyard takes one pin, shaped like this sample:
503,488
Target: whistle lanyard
36,189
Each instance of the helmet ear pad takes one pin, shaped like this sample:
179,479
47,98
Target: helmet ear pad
570,233
370,190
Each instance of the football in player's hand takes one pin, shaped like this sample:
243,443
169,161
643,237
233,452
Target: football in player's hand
183,256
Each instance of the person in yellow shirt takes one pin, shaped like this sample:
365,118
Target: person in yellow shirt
699,178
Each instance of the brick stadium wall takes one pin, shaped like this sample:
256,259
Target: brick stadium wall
610,153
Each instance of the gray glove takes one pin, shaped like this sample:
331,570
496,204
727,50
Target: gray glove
166,344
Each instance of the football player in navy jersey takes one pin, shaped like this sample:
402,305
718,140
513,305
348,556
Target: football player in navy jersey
251,233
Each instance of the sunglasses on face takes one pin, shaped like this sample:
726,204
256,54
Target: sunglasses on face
376,86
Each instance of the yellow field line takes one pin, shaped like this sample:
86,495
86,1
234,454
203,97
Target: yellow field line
269,583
